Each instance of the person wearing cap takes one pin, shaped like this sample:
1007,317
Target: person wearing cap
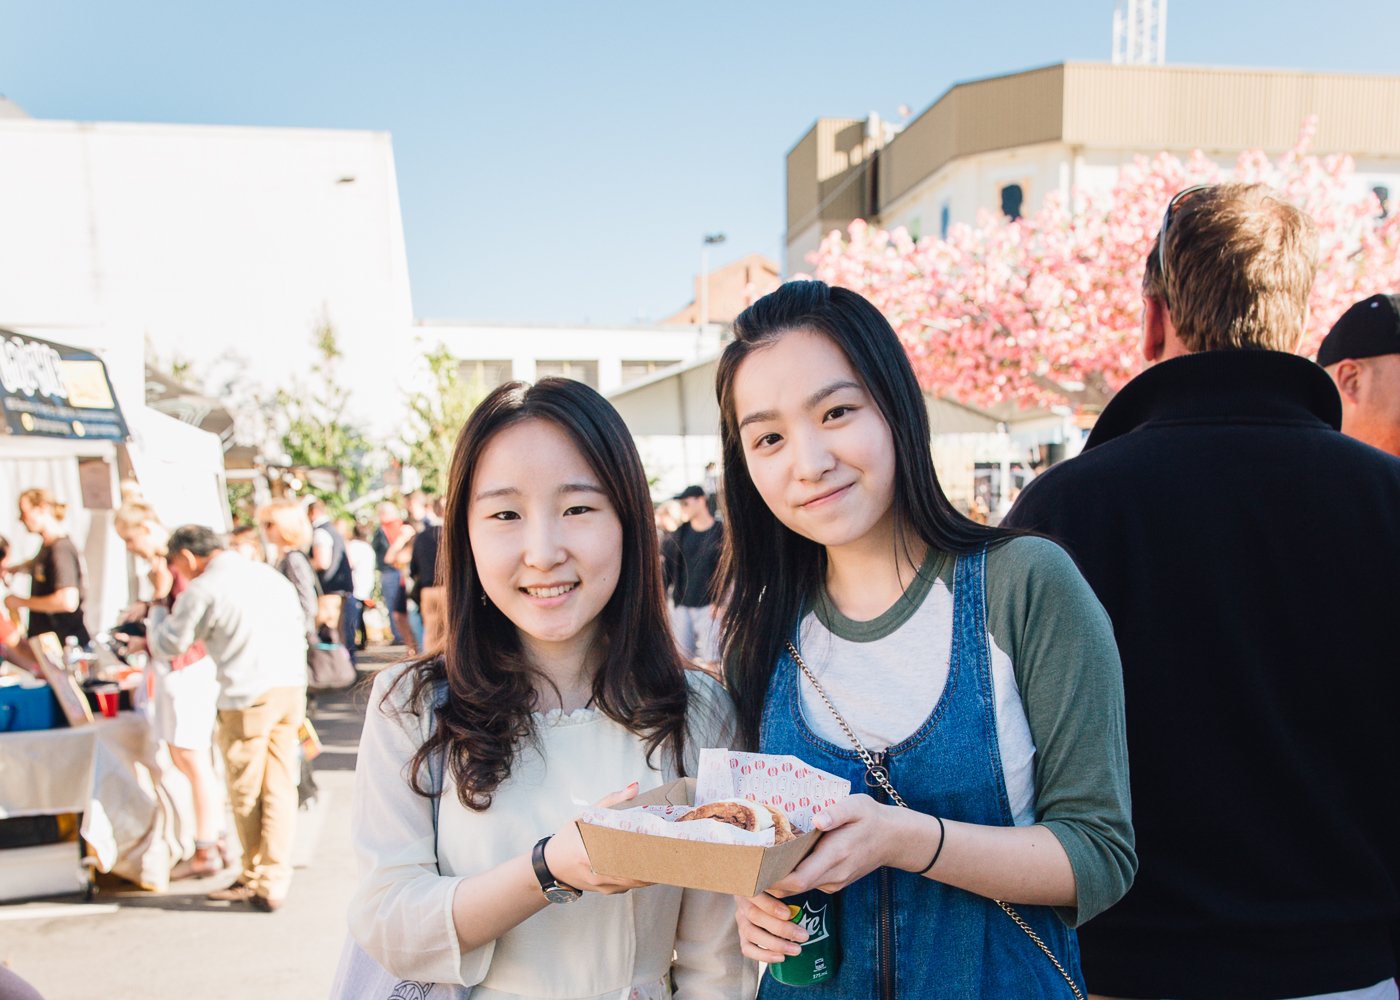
690,559
1362,354
1254,615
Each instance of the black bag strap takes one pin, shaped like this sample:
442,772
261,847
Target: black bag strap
437,761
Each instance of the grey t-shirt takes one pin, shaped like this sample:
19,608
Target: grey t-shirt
1057,683
250,620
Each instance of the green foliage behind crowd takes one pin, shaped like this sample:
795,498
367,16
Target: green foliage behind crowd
437,415
333,457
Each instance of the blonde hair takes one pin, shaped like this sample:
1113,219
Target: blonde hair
39,497
1240,263
289,518
131,515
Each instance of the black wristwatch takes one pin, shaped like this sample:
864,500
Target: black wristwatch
554,890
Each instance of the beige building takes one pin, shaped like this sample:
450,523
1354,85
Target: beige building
1002,144
731,289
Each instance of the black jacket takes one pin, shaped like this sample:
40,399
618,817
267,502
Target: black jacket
1248,555
337,578
690,562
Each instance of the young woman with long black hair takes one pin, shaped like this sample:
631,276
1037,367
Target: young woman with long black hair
974,668
558,684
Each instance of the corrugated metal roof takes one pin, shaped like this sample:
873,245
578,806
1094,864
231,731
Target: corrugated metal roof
1097,106
835,154
1196,107
1000,113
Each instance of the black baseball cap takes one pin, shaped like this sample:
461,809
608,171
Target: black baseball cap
688,493
1366,330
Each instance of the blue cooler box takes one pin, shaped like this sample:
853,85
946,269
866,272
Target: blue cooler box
24,708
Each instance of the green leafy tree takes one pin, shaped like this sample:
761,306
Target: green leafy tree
315,433
436,416
241,501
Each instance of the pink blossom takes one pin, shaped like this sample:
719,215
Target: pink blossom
1029,310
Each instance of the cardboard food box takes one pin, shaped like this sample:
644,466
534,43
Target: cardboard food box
734,869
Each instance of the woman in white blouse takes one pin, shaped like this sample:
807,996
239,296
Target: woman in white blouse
558,684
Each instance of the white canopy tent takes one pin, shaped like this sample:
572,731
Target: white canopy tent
675,420
180,469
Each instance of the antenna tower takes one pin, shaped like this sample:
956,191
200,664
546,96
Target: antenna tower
1140,32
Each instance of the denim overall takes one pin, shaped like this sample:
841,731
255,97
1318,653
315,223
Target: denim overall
906,936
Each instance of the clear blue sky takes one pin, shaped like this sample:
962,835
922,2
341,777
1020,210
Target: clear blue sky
561,161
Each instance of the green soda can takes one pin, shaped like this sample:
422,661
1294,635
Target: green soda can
814,912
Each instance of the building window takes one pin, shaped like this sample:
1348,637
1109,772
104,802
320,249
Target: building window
1011,199
580,371
485,375
634,370
945,216
1383,194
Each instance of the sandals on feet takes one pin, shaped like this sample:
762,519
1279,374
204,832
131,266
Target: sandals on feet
208,859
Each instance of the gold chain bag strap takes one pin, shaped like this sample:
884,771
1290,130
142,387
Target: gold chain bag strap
880,776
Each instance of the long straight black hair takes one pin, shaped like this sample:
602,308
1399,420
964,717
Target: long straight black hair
769,572
486,717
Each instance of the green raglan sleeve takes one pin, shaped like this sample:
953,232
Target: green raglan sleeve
1045,616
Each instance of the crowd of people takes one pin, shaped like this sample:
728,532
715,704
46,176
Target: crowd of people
227,623
1134,741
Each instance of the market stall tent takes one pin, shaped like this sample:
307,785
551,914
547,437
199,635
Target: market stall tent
179,468
69,428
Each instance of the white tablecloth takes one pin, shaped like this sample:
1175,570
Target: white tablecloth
137,810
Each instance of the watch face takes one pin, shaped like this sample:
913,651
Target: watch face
557,895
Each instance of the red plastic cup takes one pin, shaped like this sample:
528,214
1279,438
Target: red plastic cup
107,697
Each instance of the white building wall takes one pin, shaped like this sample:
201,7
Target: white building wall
671,461
974,183
1371,174
525,345
209,240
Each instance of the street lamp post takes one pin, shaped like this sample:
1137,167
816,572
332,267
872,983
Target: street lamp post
711,239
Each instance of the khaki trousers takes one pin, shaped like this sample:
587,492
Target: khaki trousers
259,744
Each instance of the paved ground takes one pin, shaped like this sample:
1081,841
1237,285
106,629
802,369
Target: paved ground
131,945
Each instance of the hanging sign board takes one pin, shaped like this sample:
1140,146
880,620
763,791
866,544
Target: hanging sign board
52,390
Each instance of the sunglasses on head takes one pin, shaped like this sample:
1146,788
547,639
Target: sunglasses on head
1177,199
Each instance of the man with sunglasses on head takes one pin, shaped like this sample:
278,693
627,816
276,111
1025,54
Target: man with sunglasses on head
1254,613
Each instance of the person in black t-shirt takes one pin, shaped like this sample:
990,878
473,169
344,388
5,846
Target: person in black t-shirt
333,568
422,564
690,558
422,568
55,600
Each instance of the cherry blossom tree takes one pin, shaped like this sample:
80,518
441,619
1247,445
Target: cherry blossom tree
1046,310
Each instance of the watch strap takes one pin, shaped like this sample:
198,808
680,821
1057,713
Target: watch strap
548,882
542,871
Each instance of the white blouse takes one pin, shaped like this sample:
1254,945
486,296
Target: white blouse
598,948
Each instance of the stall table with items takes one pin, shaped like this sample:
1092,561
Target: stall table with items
60,758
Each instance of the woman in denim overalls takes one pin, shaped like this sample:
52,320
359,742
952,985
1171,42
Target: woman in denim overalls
831,502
